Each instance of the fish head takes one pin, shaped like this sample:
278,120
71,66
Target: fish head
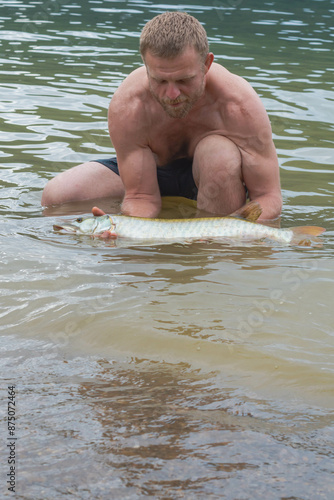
92,226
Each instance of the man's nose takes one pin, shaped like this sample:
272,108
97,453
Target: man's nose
172,91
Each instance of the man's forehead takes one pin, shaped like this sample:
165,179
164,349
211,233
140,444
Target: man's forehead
188,54
188,62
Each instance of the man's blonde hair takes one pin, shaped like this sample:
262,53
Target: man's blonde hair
168,34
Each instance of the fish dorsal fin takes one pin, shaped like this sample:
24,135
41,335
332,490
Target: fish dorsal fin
251,211
178,200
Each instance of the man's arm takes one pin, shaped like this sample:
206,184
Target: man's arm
261,177
260,168
128,129
138,172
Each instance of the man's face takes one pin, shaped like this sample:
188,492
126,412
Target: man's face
177,83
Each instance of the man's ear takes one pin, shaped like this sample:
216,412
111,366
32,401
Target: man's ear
208,61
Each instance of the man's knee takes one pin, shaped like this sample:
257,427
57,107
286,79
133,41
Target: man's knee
217,173
218,157
65,186
52,193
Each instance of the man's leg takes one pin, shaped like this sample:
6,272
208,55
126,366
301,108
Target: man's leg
83,182
217,173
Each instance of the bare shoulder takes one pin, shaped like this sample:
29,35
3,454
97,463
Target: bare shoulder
128,102
230,83
237,97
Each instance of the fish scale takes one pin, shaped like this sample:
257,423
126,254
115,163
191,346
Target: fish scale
192,229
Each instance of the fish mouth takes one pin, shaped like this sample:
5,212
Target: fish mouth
68,228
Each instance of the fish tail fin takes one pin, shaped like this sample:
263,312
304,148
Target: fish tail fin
251,211
305,235
308,230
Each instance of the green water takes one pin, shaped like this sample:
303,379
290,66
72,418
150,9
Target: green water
202,371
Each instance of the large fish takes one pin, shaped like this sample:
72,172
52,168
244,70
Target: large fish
241,227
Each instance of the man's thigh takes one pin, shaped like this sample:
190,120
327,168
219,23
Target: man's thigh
83,182
174,179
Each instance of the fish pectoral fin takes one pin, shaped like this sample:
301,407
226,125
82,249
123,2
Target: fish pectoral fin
251,211
107,235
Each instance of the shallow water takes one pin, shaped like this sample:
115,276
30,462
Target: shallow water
202,371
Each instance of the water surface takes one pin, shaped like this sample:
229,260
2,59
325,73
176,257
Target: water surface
202,371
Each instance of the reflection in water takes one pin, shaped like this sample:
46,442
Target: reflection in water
143,428
167,371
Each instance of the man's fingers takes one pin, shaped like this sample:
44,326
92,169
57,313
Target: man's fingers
97,211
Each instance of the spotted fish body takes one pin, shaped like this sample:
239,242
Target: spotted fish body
186,230
211,228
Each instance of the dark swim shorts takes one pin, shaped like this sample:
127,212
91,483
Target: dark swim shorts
174,179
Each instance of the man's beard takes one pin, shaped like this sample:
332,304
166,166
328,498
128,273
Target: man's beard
185,104
179,111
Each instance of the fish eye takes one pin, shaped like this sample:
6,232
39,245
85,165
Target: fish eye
79,219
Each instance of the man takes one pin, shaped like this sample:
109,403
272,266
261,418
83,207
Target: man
181,125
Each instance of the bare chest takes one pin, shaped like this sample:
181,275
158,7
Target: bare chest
169,145
170,142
